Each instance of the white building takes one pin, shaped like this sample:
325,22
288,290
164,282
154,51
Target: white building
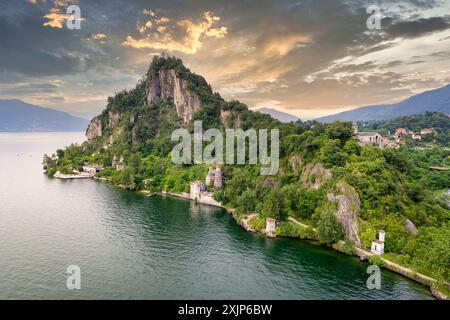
92,169
197,188
271,224
378,245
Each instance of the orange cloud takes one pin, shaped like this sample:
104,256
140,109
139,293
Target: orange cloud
56,17
165,36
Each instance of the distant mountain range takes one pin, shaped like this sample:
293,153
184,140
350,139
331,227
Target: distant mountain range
281,116
437,100
19,116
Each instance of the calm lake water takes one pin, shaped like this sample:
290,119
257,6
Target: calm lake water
134,247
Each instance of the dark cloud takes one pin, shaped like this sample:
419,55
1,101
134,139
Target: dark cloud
411,29
269,50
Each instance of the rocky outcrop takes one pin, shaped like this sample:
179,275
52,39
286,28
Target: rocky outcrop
295,162
411,227
230,120
224,114
95,129
134,135
315,175
165,85
113,118
348,210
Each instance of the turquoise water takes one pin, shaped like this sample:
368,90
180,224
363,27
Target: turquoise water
130,246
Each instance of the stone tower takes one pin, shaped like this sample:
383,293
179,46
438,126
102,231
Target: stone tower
210,176
218,178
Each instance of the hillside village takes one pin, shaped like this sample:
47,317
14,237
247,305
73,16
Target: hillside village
401,136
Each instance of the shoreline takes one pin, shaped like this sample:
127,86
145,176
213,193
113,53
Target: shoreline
360,252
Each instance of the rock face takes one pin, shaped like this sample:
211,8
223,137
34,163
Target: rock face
348,210
230,120
95,129
295,162
314,176
411,227
165,85
114,118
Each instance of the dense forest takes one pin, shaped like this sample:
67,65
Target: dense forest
388,189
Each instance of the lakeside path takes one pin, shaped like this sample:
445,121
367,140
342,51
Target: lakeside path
299,223
395,267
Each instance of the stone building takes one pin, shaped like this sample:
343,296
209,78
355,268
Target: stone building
214,177
370,138
118,164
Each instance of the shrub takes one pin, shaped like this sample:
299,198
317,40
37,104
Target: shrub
376,260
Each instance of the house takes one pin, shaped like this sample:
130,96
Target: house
389,144
89,169
378,245
427,131
370,138
270,226
214,177
401,132
92,169
196,189
416,136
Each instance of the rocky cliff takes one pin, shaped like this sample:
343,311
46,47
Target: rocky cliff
167,98
163,85
348,210
315,175
95,128
166,85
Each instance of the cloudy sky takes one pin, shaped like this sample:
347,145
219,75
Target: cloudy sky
306,57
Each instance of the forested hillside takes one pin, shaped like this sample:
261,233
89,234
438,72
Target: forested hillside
326,179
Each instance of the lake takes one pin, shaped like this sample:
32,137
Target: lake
129,246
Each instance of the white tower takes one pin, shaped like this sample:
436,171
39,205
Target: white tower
381,235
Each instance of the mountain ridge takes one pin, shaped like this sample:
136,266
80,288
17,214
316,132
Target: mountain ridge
19,116
436,100
279,115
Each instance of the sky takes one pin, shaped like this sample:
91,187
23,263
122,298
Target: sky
309,58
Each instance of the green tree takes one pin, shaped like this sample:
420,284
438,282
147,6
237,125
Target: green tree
329,228
275,205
